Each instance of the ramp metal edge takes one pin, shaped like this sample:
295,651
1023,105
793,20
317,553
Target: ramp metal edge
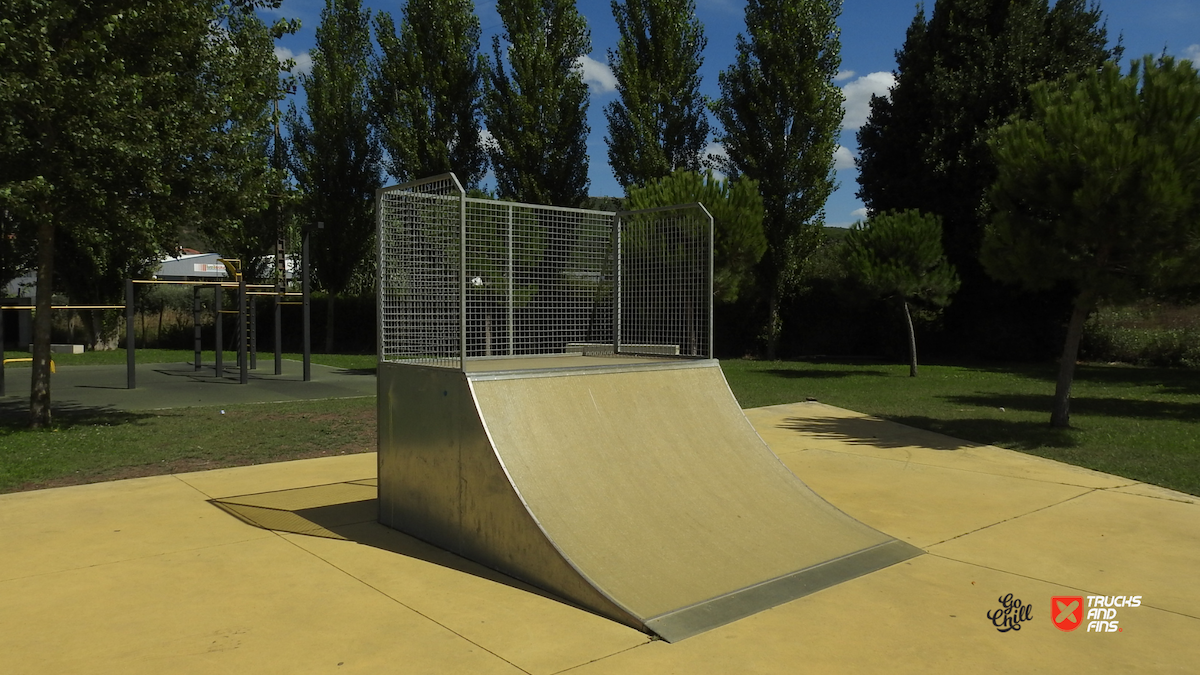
694,619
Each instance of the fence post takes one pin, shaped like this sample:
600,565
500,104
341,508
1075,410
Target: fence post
130,346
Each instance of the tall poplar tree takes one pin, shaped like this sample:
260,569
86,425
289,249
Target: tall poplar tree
660,123
780,112
118,122
536,107
960,74
426,91
335,152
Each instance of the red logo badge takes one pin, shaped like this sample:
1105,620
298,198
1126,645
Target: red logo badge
1066,612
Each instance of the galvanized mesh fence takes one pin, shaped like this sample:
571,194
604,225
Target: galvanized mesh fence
464,278
665,282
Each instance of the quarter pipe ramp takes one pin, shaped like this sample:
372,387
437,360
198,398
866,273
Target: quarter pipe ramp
638,491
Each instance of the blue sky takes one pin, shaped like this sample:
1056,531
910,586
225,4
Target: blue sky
871,34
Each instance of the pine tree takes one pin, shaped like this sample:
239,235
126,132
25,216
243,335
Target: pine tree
660,123
336,154
536,107
737,210
426,91
898,255
780,112
1100,189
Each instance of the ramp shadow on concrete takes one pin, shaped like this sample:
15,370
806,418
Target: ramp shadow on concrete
349,511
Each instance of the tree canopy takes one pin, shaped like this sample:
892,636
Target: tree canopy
426,91
119,120
780,112
659,123
335,151
960,74
536,107
737,211
898,255
1100,189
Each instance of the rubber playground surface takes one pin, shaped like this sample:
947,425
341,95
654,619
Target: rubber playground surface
174,385
281,568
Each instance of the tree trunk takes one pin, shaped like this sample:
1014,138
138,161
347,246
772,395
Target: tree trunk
329,326
39,394
1060,416
912,341
773,326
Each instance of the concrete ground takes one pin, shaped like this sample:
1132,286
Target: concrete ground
170,574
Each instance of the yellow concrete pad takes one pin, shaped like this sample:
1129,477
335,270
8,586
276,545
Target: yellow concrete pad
508,618
66,528
1158,493
1107,542
263,606
921,616
805,426
918,503
244,480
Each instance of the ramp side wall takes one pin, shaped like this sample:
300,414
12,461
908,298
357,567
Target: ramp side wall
440,481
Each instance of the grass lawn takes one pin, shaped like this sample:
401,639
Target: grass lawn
90,448
1141,423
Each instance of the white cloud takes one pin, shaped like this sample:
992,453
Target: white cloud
716,150
597,75
1192,54
303,60
858,97
859,214
843,75
842,158
487,141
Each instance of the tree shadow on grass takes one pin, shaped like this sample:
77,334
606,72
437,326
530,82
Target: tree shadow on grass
1087,405
14,416
819,374
935,434
1172,380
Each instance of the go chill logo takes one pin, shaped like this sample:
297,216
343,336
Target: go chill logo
1067,612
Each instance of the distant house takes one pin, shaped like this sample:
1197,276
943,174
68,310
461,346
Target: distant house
192,267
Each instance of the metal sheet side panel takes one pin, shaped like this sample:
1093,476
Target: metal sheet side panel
440,481
654,484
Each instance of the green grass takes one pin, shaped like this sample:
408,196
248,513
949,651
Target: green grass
108,446
1140,423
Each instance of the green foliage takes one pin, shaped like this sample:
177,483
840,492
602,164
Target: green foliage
737,211
963,70
335,154
960,75
259,203
1144,334
899,254
1100,189
659,125
119,121
536,108
426,89
780,112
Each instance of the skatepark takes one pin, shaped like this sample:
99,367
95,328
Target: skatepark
564,483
